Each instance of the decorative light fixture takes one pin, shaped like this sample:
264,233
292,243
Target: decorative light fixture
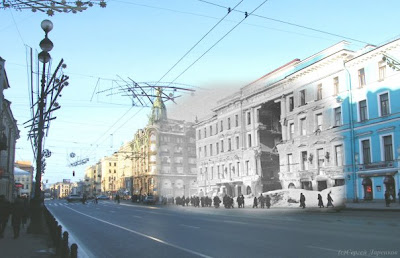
50,7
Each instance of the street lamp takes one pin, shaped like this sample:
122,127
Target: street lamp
42,109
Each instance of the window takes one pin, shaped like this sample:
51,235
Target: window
216,128
109,163
237,142
229,123
247,167
382,71
212,173
361,77
249,140
339,155
388,148
304,164
115,171
218,172
222,145
236,120
290,162
291,131
320,157
336,86
205,132
366,151
211,152
229,144
199,152
384,104
115,164
248,118
362,106
319,122
291,104
302,97
205,151
199,135
338,116
222,126
211,130
319,91
238,168
303,126
217,147
258,115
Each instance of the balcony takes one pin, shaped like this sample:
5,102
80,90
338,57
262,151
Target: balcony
376,165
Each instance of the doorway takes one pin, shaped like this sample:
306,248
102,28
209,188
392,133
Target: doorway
390,186
322,185
368,190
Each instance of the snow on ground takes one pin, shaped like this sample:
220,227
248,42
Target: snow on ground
291,197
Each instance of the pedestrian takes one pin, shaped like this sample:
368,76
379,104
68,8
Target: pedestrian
16,215
239,201
117,198
387,198
25,214
330,200
183,201
320,202
302,201
5,209
399,195
268,201
261,201
255,204
242,201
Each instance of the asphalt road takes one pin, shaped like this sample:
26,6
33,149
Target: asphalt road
124,230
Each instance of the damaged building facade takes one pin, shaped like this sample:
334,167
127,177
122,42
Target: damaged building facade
281,131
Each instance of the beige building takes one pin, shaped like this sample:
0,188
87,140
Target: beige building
109,175
164,155
61,190
92,180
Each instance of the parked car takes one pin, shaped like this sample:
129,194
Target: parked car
103,197
74,198
149,199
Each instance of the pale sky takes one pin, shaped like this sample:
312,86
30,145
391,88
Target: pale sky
142,39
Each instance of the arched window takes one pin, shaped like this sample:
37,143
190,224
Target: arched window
291,186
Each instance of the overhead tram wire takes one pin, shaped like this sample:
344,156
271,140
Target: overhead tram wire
226,34
198,42
290,23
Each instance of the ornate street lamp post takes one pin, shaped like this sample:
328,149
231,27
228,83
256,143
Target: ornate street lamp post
42,109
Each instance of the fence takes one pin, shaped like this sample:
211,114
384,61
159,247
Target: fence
59,238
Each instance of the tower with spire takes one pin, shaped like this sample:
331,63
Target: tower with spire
158,111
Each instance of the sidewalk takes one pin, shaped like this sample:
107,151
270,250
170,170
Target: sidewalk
27,245
372,206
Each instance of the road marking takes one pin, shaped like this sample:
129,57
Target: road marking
336,251
112,211
137,216
188,226
144,207
144,235
235,222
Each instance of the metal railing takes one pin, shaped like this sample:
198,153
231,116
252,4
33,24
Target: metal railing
59,238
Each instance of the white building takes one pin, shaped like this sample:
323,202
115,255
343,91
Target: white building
24,180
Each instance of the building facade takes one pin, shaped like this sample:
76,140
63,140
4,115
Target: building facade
9,134
23,179
164,156
373,144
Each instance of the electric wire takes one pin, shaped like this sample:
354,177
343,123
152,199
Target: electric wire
289,23
216,43
198,42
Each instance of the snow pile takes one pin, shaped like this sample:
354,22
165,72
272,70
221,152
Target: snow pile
291,197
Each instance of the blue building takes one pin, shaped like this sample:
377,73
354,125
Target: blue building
371,115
